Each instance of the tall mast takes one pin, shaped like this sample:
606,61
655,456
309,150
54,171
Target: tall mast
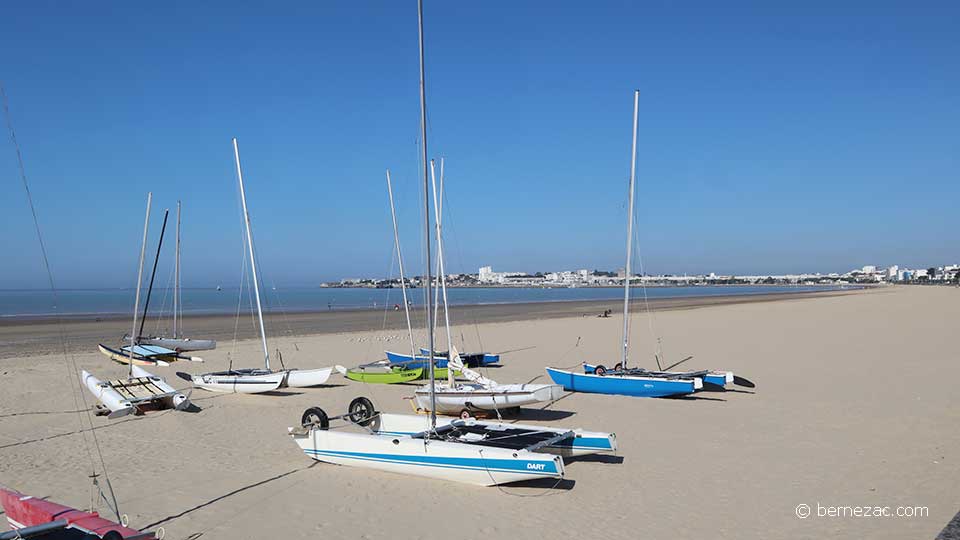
153,274
176,278
136,303
426,212
253,258
626,280
442,273
403,280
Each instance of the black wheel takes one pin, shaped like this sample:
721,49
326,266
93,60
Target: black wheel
315,417
600,370
618,367
465,414
361,411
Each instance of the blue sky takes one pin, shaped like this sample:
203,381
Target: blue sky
774,136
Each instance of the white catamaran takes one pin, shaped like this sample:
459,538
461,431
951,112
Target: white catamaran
257,380
480,394
176,341
141,390
460,450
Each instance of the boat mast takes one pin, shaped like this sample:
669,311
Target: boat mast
153,274
253,258
442,273
403,280
626,280
176,278
136,302
426,212
438,203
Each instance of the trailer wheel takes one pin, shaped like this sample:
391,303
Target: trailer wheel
618,367
361,411
315,417
600,370
465,414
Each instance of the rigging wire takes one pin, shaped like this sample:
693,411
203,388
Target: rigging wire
69,359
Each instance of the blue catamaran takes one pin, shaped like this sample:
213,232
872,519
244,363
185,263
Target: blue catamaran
638,381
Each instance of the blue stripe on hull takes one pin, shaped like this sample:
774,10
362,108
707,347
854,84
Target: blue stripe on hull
621,385
540,467
718,379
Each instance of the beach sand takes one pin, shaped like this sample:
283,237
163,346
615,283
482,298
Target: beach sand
855,405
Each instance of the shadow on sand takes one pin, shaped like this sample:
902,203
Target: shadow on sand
545,483
227,495
595,458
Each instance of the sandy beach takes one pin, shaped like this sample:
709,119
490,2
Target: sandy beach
855,405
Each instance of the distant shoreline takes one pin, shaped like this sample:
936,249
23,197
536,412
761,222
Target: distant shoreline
40,335
103,316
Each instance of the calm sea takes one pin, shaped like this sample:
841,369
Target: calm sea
211,301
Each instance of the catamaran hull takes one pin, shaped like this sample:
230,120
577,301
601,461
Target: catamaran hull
110,398
39,518
303,378
410,362
239,383
469,359
138,360
454,462
374,376
713,378
585,443
181,344
161,395
624,385
476,397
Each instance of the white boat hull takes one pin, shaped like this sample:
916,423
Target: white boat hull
167,398
249,382
487,398
455,462
302,378
109,397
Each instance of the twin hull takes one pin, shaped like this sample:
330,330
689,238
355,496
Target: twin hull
715,378
473,396
626,385
457,462
119,405
254,381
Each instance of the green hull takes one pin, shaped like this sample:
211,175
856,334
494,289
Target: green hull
384,377
438,373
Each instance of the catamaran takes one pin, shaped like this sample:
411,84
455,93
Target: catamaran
479,394
146,351
140,391
638,381
176,341
257,380
468,451
441,358
387,372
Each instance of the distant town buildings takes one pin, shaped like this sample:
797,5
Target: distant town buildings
487,277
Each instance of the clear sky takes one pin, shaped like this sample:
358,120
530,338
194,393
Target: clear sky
774,136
